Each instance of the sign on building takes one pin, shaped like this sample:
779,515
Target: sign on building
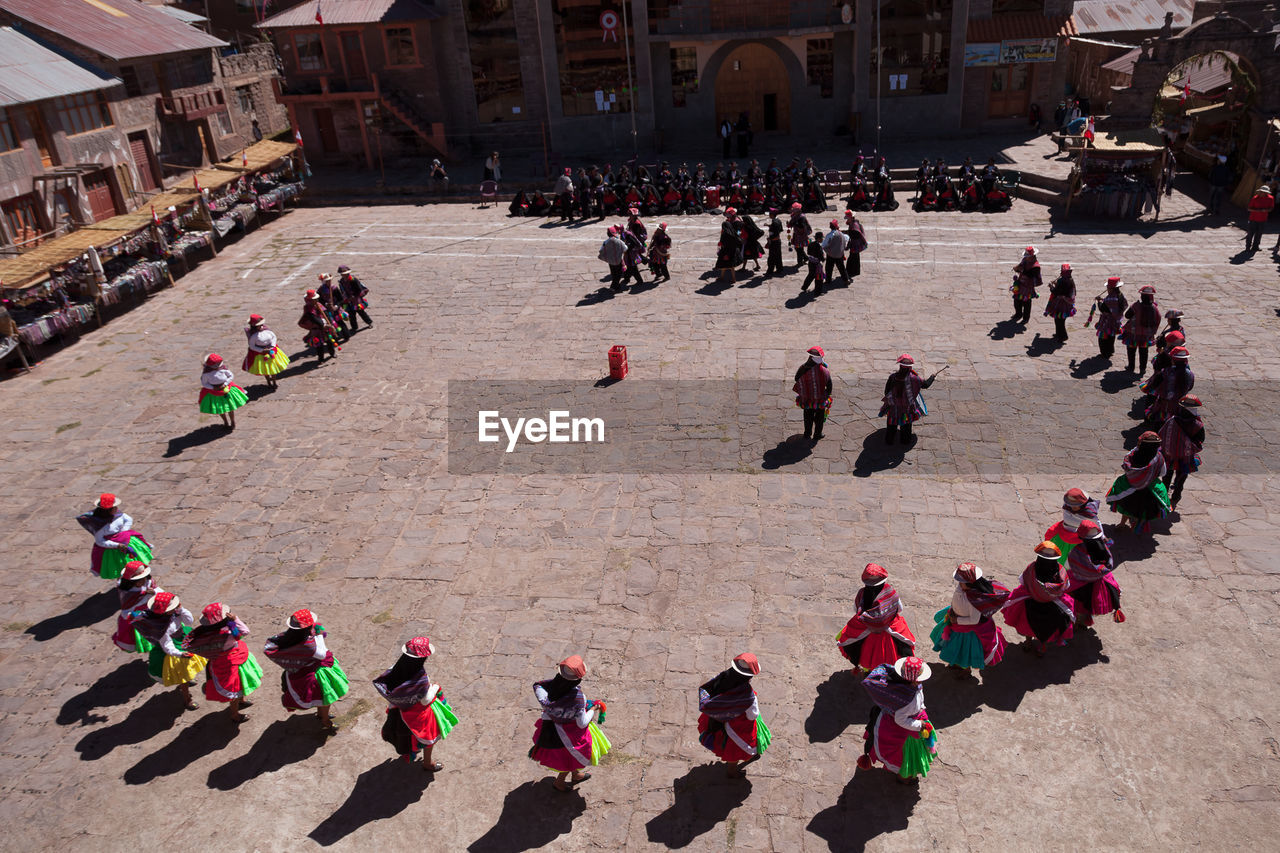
1016,51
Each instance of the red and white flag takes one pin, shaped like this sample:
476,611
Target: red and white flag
1088,130
1186,92
155,220
319,17
196,181
297,137
244,158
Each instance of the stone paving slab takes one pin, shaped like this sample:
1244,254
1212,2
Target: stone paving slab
335,493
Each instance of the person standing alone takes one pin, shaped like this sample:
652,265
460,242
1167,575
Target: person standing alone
813,392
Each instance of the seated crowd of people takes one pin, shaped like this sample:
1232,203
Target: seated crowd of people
969,189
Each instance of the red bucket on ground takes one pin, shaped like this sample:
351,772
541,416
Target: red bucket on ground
617,362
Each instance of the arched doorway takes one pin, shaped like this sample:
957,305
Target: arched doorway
752,79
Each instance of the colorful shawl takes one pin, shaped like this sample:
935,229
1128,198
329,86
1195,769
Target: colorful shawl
1176,442
210,640
727,705
887,690
880,615
568,707
1142,476
1081,565
1046,593
299,657
406,694
811,386
988,603
902,392
133,598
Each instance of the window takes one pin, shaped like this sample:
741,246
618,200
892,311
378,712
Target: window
224,123
310,51
132,85
820,65
400,47
83,113
21,215
915,48
684,74
8,135
495,59
190,70
587,64
244,94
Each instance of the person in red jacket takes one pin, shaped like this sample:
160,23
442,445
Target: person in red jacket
1260,207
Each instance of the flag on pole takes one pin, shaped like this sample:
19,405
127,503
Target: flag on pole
244,158
1088,130
1186,92
319,18
297,137
155,220
196,182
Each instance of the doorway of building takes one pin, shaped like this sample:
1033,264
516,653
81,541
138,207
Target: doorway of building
97,191
753,80
1009,91
328,133
353,55
141,150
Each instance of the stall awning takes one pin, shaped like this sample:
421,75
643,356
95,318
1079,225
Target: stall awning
18,273
259,156
1146,142
1019,25
1213,114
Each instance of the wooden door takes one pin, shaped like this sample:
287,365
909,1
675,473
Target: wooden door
97,191
21,215
48,155
328,133
142,159
1009,92
353,56
749,74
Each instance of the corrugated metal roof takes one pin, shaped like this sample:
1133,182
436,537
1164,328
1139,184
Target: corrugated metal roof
117,29
353,12
33,71
1023,25
1124,62
1208,75
1116,16
182,14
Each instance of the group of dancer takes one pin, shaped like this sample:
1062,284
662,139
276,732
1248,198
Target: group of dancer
328,316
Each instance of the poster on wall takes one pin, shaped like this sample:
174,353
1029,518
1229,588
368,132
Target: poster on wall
1015,51
981,54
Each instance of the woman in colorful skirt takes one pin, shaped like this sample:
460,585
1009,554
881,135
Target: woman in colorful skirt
660,253
134,587
729,721
418,715
965,634
1139,332
877,633
219,395
1062,302
1110,306
233,672
899,734
566,738
1026,278
162,619
902,404
1040,608
1076,507
321,330
1093,588
115,542
1181,440
1138,494
265,358
312,677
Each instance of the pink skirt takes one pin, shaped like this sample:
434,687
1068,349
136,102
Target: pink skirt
1103,598
1054,626
724,746
559,758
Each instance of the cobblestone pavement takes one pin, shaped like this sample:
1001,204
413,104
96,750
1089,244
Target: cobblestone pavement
335,493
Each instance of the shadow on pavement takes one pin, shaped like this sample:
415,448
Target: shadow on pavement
1021,672
257,392
298,367
1091,366
1115,381
801,299
872,804
715,287
953,697
195,438
1043,346
789,451
91,611
207,735
533,815
1005,329
158,714
878,456
595,297
283,743
838,705
380,792
703,798
116,687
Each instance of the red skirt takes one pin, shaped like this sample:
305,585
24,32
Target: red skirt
717,737
868,649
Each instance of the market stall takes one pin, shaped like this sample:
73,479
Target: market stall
1118,175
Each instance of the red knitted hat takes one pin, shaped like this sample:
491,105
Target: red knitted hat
573,668
106,500
747,664
162,602
134,570
302,619
873,573
419,647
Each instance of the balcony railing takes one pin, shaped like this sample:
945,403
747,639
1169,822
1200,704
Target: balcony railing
702,17
193,106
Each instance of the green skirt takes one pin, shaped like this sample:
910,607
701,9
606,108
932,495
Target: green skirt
333,683
445,718
764,737
250,675
917,755
221,404
113,559
600,744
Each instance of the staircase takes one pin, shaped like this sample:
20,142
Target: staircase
431,133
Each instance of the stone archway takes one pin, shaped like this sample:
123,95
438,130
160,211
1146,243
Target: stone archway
753,79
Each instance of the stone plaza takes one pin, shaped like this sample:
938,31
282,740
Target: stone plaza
340,492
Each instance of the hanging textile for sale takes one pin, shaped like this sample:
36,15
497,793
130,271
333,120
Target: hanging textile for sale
136,280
